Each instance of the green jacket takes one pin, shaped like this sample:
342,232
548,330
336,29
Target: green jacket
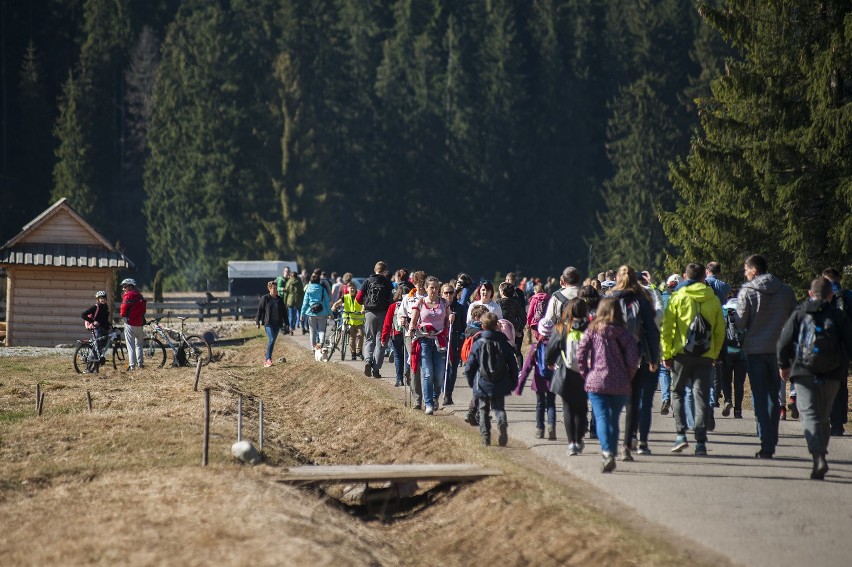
294,292
681,311
281,284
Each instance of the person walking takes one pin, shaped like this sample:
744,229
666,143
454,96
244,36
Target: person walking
375,295
430,324
569,282
316,307
813,352
690,350
133,310
393,333
763,306
295,293
841,299
607,358
545,399
491,371
486,298
271,313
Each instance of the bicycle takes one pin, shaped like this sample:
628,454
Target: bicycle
90,354
333,332
193,346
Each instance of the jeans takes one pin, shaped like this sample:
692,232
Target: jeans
485,405
607,409
545,402
453,370
134,337
575,407
764,379
640,406
373,349
432,361
400,361
697,372
665,379
295,318
688,406
317,327
271,335
815,398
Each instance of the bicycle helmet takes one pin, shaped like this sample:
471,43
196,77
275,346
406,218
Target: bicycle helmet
100,294
128,281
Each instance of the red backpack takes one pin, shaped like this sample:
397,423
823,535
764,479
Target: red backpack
467,345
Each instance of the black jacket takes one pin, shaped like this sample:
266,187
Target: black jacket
502,357
102,317
376,294
271,312
786,346
514,313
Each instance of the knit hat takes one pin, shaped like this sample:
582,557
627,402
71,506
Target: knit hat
507,328
673,280
545,328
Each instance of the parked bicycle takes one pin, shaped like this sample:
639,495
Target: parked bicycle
91,354
192,346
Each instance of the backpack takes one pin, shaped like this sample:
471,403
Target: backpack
699,337
398,327
733,336
375,296
569,355
817,348
492,364
540,361
561,302
538,312
467,345
632,319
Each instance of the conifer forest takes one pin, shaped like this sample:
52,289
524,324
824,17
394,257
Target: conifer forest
443,135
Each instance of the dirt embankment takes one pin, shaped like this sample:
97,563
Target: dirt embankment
122,484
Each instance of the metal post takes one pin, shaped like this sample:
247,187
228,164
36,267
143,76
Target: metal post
38,399
197,374
89,400
206,444
240,418
260,425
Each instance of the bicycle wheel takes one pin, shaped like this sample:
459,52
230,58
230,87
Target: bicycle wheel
343,341
197,348
86,359
119,354
153,352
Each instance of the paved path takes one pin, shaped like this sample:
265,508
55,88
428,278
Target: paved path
756,512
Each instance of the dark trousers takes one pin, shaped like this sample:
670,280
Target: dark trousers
840,408
731,374
815,398
697,372
637,418
765,384
575,407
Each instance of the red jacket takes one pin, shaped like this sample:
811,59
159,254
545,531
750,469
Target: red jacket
133,308
387,328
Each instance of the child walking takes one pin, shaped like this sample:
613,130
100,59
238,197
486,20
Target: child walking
491,370
561,354
545,400
608,357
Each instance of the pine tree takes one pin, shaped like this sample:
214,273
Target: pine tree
72,173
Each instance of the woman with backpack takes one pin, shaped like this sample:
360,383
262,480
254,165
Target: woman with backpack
545,400
608,357
430,324
393,332
537,308
294,290
639,316
316,307
561,355
513,311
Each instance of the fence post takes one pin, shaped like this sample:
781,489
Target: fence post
89,400
197,374
40,404
218,309
200,313
206,445
38,399
260,425
236,309
240,418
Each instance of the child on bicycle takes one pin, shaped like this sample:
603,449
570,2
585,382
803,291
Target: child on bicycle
354,317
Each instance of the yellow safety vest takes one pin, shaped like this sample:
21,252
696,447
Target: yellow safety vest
354,316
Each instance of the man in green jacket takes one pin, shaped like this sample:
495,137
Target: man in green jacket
690,351
294,293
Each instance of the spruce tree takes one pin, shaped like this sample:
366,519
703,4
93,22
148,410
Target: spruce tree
72,172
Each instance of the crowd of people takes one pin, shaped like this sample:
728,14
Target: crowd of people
605,344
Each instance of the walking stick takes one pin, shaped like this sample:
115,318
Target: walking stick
449,353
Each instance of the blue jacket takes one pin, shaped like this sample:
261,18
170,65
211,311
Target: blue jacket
316,293
720,288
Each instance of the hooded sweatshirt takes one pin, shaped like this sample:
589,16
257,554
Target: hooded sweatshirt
787,346
684,304
763,306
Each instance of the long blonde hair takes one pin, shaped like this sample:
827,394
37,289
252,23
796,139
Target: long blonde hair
608,313
626,280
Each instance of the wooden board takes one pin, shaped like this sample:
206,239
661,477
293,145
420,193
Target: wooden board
377,473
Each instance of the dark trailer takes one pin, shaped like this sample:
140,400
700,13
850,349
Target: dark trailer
250,277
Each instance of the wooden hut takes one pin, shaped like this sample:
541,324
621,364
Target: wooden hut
53,267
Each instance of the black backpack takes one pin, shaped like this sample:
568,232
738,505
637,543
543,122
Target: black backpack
817,347
377,294
733,336
699,338
493,366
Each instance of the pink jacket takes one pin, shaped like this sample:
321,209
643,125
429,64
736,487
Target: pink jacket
608,360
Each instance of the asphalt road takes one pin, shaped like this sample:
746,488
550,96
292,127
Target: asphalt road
755,512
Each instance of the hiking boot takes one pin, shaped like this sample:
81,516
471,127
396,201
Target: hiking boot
368,369
701,449
626,455
726,411
503,438
417,406
783,414
837,431
738,414
643,449
664,407
572,450
793,409
539,433
448,401
472,417
608,463
820,467
550,431
680,444
376,374
763,455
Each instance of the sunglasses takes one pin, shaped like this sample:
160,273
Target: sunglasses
449,292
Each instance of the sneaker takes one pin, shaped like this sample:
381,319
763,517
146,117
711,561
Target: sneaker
783,414
398,384
763,455
726,411
791,407
268,363
504,434
680,444
429,410
550,431
376,374
664,407
701,449
626,455
738,414
634,444
472,417
354,357
368,369
418,407
643,449
608,463
539,433
572,450
580,446
820,467
448,401
837,431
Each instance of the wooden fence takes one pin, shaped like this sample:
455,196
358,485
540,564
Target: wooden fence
238,307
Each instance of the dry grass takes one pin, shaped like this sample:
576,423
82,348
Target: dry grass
122,484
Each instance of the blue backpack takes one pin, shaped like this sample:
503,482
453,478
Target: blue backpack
540,364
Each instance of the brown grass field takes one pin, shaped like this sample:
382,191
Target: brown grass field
123,484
